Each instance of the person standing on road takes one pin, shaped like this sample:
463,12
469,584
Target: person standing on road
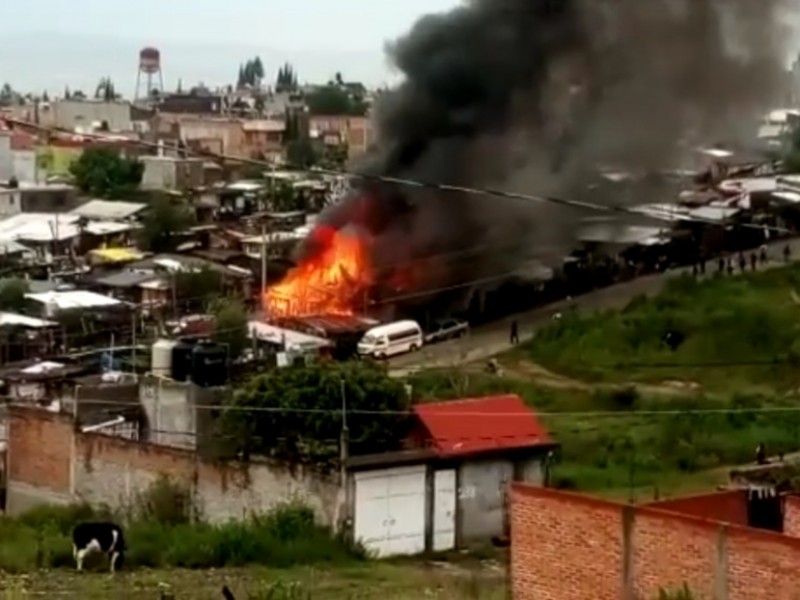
721,265
762,254
742,262
514,333
753,261
787,253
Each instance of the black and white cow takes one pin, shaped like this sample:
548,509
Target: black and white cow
89,538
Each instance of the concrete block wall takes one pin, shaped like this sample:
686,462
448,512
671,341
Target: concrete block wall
567,546
49,461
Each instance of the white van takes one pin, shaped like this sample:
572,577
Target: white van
394,338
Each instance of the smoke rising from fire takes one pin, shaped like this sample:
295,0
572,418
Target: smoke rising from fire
534,96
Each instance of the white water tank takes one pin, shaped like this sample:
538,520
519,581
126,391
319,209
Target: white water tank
161,364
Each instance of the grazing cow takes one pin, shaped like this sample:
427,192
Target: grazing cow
88,538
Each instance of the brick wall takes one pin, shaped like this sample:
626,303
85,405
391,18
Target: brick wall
553,558
567,546
39,451
791,516
116,471
730,506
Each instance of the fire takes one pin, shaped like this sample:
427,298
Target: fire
333,280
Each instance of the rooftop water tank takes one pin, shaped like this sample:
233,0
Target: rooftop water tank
161,364
182,359
210,364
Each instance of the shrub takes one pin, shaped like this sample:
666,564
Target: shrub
283,537
165,502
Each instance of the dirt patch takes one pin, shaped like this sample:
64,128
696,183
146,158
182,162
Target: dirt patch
535,373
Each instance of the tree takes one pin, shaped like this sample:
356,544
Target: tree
196,290
12,295
103,173
286,80
7,95
230,325
240,79
312,397
258,69
67,93
45,96
161,224
105,90
301,154
334,100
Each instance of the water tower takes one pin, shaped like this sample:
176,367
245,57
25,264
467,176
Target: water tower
150,68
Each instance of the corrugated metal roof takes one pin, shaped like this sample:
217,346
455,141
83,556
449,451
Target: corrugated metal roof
108,209
486,424
73,299
125,279
8,319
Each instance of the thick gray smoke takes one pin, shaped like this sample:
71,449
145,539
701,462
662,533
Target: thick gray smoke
535,96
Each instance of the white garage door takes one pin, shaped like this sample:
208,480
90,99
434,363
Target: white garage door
444,510
390,511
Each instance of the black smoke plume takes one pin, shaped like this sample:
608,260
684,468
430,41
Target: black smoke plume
535,96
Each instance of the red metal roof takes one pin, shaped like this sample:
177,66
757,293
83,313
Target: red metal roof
481,424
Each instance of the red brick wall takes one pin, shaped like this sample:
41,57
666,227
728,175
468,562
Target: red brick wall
669,551
762,566
729,507
565,547
568,547
40,449
791,516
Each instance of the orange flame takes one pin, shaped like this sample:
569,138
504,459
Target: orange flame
334,280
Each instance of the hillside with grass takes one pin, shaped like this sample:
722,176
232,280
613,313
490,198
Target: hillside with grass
637,416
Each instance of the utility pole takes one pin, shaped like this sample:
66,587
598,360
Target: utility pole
264,259
344,454
133,341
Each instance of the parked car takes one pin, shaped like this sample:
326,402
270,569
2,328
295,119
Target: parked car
447,329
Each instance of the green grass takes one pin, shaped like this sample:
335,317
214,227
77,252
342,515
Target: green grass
647,439
376,581
285,537
738,320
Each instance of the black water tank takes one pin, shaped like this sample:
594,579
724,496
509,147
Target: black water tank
210,364
182,359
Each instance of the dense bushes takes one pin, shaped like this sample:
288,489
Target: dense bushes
159,536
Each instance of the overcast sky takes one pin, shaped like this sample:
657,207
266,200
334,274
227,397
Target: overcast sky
53,43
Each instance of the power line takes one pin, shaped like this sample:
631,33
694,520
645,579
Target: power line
386,179
684,412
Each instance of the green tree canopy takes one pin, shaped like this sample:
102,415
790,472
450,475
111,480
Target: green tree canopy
196,290
161,224
301,154
287,79
303,434
105,90
103,173
251,72
12,295
230,327
335,100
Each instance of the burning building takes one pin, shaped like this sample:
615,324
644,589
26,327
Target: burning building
528,96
